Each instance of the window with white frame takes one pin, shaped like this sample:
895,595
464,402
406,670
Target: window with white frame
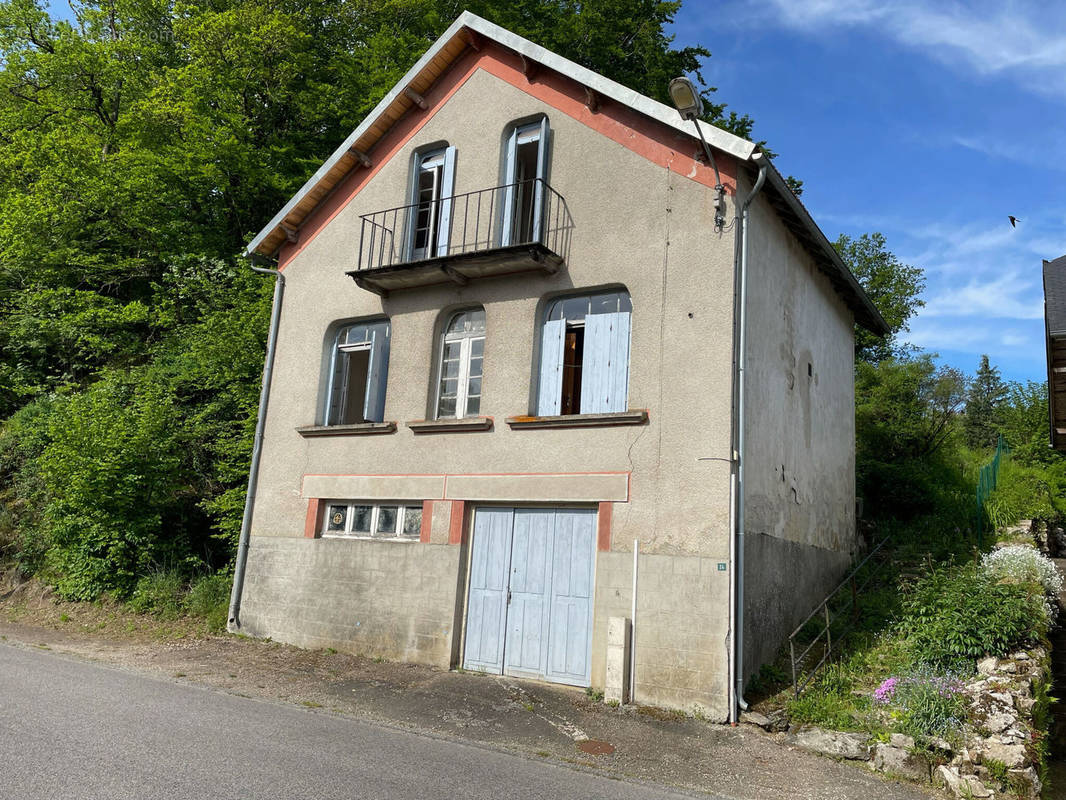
584,356
358,519
431,203
359,372
525,176
461,365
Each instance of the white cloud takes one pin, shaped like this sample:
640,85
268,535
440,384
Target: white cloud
1004,296
1025,38
1017,343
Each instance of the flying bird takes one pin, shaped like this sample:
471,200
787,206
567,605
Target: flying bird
1013,221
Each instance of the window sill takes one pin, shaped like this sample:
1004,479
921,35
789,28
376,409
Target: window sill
360,429
635,417
451,425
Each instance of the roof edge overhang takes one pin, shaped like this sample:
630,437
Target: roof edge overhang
716,137
788,205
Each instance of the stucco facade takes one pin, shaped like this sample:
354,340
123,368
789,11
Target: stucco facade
642,220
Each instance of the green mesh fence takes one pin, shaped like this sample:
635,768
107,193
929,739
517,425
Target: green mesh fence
986,484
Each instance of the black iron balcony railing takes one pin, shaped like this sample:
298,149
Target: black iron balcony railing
503,217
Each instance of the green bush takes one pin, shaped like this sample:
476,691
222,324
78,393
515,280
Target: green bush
208,598
159,593
957,614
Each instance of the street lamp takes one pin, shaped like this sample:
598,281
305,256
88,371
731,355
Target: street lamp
686,99
689,105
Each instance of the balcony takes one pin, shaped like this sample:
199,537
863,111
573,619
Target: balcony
517,228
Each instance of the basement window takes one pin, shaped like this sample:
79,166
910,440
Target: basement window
355,519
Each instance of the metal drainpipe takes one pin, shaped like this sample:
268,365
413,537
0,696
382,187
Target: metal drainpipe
740,336
257,449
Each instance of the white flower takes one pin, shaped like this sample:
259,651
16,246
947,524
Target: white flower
1020,564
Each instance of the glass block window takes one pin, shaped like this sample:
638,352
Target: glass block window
345,518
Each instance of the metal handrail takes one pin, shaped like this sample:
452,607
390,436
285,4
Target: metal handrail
823,607
469,222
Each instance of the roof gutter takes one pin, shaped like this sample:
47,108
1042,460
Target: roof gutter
257,449
736,539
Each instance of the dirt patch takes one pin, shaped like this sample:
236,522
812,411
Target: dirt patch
530,718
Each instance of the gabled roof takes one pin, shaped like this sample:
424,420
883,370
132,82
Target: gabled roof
1055,296
464,33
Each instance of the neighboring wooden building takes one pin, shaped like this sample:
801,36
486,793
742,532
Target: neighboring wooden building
1055,328
507,352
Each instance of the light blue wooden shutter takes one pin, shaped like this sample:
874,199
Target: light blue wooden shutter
487,607
447,190
338,387
605,363
550,392
539,192
510,175
378,377
570,625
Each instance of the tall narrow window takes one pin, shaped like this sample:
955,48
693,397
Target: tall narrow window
584,358
431,206
462,356
359,373
526,173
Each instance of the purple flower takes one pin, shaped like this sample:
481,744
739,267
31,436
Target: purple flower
883,693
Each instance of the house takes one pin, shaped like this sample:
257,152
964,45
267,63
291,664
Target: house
1055,342
505,359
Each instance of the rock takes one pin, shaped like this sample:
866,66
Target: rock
901,740
853,746
1027,782
898,761
966,786
986,666
948,777
1002,697
997,723
1013,755
936,743
778,720
1009,667
755,718
974,787
1024,704
1021,655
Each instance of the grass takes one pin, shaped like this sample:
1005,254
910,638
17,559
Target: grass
166,595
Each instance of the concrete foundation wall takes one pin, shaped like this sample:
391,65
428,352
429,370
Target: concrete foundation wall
680,631
800,437
393,600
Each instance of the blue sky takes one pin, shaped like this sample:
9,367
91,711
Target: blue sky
928,121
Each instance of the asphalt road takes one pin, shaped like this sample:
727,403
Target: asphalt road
71,729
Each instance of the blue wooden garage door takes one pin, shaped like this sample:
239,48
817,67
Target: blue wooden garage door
531,579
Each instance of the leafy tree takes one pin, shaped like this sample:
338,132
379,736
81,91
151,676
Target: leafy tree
984,399
894,287
906,408
906,415
1023,421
